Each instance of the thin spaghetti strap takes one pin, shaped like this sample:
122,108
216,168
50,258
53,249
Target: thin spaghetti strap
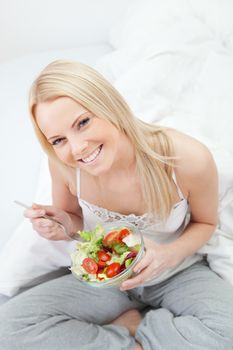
78,182
178,188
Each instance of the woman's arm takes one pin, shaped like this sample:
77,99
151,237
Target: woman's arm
65,209
64,197
197,176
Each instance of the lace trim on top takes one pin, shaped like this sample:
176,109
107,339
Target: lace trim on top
141,221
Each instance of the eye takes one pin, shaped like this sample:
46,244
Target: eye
57,141
83,122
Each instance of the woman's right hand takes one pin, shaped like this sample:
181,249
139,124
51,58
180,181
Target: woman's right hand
45,227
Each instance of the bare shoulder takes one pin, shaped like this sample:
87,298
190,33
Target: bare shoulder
191,153
195,162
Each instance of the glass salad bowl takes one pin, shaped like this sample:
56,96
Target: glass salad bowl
107,255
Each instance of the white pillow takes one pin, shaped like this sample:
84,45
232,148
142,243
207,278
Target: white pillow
27,255
172,21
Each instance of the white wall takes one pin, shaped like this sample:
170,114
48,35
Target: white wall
34,25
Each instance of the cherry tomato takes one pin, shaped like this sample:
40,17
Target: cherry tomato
111,237
103,256
90,265
113,269
124,233
101,264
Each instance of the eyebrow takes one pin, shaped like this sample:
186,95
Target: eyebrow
73,124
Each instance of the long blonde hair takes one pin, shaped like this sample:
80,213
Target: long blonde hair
153,148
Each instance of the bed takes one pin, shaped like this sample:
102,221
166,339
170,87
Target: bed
172,60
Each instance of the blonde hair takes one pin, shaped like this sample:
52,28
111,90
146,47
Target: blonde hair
153,148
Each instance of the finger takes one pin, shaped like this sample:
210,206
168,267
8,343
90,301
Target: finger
41,229
36,206
46,223
33,213
41,206
146,275
48,209
51,234
41,224
136,281
143,263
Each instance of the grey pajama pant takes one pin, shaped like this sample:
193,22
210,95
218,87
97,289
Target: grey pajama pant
192,310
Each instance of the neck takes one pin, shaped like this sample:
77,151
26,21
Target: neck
125,161
124,164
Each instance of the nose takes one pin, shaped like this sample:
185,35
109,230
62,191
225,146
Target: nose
78,146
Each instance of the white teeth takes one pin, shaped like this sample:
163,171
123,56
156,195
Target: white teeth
92,156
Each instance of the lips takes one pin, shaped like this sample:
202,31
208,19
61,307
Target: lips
91,157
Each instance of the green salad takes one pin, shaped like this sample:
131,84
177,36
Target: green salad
103,255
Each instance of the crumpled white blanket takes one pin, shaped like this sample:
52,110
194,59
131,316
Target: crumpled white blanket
173,63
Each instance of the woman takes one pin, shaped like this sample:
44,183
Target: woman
106,165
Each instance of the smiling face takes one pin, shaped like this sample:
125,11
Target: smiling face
78,137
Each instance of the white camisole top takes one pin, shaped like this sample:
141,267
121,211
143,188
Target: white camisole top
162,233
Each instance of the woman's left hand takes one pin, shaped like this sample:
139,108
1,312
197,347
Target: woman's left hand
157,259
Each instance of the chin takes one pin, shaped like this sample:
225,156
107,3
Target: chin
71,165
97,171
